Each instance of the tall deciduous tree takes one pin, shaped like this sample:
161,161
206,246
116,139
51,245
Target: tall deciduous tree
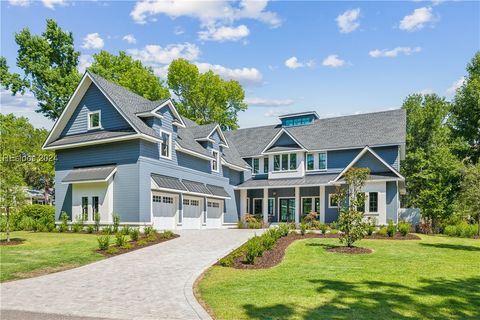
205,97
465,114
431,169
469,196
49,63
129,73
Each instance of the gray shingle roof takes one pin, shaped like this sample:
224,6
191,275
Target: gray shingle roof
89,174
307,180
378,128
128,102
91,136
232,156
186,140
202,131
168,182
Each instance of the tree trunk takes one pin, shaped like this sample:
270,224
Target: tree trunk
45,189
7,226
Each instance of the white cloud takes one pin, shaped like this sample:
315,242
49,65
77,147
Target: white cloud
392,53
23,106
262,102
178,30
333,61
456,85
348,21
293,63
130,38
156,55
207,12
52,3
84,62
19,3
274,112
93,41
223,33
417,19
243,75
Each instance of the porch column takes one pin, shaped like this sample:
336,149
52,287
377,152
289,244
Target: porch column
205,211
265,206
297,205
243,202
180,208
322,204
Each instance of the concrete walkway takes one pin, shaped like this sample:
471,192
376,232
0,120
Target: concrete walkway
150,283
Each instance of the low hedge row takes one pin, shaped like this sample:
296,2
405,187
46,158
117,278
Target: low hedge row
35,217
463,230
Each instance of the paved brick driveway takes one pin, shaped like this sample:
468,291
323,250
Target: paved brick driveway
151,283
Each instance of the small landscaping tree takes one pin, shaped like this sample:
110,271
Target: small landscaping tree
350,220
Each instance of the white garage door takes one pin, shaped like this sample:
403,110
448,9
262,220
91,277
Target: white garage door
165,210
214,213
192,213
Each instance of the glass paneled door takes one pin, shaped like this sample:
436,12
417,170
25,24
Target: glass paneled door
287,210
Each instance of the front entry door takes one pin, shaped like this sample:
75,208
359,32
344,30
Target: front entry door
287,210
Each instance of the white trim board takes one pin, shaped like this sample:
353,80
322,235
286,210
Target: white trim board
277,136
360,154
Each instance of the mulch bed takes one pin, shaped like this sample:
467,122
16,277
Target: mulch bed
13,242
135,246
350,250
273,257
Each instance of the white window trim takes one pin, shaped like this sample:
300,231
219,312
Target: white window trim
266,160
254,205
217,159
253,166
367,204
329,202
288,163
169,157
313,202
326,161
306,162
99,120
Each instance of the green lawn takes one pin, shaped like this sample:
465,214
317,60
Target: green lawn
435,278
46,252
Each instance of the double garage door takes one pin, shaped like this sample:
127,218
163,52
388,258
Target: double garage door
166,213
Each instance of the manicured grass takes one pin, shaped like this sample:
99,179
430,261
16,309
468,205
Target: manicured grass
46,252
433,278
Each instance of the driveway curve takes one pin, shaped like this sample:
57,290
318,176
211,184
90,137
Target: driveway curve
151,283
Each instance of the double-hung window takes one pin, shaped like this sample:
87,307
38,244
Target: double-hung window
265,165
94,121
293,161
215,160
94,207
276,162
256,165
310,162
322,161
166,145
373,201
85,208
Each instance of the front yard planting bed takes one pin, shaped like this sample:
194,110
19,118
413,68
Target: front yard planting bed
435,278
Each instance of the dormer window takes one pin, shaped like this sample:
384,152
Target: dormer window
215,161
166,145
94,120
298,119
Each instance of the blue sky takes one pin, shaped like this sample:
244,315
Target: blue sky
336,58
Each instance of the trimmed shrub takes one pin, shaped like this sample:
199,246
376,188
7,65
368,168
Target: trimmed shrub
254,249
27,224
269,239
310,218
120,239
103,242
64,224
167,234
127,246
284,229
450,231
126,230
107,230
152,237
382,231
147,230
461,229
77,226
42,215
90,228
404,228
116,222
112,250
391,228
134,234
323,228
141,242
303,228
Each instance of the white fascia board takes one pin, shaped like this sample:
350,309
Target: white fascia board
205,139
149,114
367,148
232,166
174,111
193,153
299,114
220,132
275,138
67,112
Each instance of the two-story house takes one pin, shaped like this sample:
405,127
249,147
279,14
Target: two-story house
118,153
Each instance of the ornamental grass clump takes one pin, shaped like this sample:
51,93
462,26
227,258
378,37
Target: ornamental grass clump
116,222
167,234
134,234
103,242
120,239
126,230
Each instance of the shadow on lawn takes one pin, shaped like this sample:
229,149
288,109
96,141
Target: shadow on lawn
443,299
451,246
